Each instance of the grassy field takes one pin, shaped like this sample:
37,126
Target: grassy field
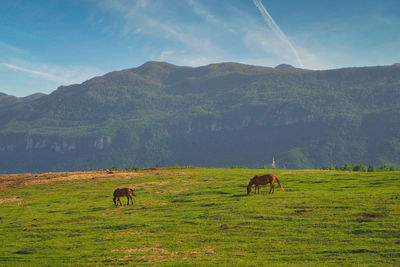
201,217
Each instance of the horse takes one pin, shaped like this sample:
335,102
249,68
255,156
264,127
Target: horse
263,180
120,192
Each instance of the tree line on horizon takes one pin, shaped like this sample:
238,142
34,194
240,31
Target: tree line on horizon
361,168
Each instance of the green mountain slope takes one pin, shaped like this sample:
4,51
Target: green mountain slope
8,100
216,115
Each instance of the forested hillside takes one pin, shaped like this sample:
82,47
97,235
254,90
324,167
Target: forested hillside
217,115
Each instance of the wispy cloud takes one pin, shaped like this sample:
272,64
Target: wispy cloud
22,71
202,12
41,74
12,48
176,41
56,74
275,28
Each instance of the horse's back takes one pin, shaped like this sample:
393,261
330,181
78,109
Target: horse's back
122,192
264,179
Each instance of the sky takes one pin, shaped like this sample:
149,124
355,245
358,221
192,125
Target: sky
48,43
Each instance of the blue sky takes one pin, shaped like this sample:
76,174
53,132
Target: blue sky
48,43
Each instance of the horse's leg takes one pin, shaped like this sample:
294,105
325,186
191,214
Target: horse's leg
131,200
120,203
271,187
127,197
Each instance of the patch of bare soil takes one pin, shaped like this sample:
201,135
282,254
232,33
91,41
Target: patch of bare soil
16,180
10,199
160,255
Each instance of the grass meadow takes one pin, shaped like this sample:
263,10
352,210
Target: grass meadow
201,217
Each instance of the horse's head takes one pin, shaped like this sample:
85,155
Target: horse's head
133,194
249,188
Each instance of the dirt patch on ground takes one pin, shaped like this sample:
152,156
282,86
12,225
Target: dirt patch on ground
17,180
10,199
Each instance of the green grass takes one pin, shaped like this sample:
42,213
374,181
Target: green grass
204,217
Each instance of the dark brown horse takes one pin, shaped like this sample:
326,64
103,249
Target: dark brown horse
263,180
123,192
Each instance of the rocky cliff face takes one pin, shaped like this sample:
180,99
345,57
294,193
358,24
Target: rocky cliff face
53,144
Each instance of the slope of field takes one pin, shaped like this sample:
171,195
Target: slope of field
200,217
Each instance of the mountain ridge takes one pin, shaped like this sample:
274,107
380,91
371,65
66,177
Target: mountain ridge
7,100
215,115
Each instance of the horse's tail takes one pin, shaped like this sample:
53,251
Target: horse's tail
280,184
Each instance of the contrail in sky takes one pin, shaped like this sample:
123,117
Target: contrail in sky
275,28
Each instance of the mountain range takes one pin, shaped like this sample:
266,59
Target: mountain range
220,115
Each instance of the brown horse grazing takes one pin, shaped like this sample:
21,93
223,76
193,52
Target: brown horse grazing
121,192
263,180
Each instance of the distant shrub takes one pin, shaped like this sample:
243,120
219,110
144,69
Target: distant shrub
384,168
347,167
330,167
359,168
371,168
